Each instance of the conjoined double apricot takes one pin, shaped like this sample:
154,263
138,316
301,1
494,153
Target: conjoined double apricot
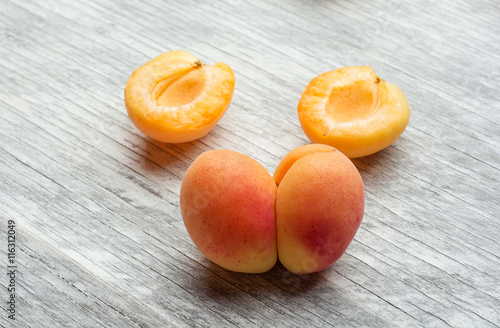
175,98
243,219
353,110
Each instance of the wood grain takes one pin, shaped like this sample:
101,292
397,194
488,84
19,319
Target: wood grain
100,238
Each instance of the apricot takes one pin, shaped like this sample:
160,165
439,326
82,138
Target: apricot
175,98
227,203
243,219
353,110
319,207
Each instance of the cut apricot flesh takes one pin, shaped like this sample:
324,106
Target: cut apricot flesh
175,98
353,110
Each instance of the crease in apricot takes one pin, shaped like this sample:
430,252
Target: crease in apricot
175,98
353,110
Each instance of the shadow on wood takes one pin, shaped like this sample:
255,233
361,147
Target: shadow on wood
156,156
217,283
371,167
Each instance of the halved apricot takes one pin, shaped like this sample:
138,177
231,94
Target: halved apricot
353,110
175,98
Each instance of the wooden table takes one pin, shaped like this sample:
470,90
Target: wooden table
94,204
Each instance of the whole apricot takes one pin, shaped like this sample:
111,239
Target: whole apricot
319,207
227,203
175,98
353,110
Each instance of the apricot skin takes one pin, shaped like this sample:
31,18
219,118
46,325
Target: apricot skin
319,207
295,155
227,203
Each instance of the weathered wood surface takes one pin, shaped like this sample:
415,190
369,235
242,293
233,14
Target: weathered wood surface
100,239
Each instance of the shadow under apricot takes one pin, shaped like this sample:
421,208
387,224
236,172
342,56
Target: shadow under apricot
152,155
218,283
372,163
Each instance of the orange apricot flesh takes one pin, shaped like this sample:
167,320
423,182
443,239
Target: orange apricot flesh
319,207
353,110
175,98
227,204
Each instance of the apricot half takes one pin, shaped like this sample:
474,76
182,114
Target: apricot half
353,110
228,206
319,207
175,98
